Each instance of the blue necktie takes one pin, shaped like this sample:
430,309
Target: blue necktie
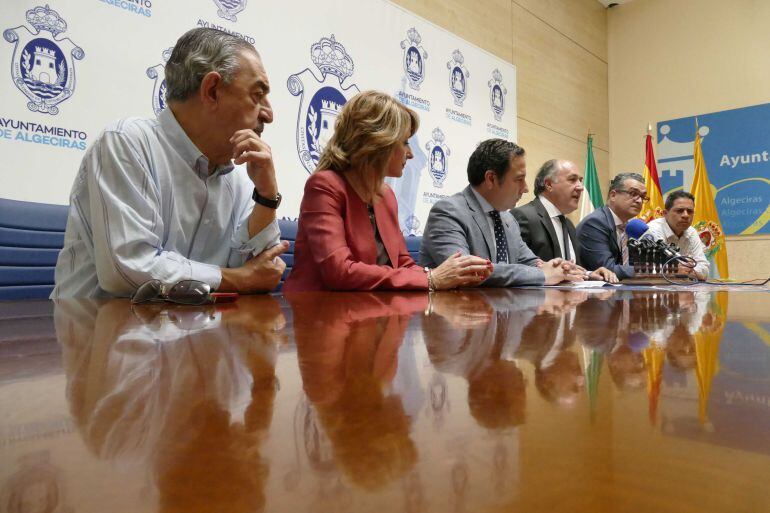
500,241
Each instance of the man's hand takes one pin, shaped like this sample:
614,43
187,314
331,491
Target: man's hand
559,270
603,274
464,309
689,271
250,149
260,274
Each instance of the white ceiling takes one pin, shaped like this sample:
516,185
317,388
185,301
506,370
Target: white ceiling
606,3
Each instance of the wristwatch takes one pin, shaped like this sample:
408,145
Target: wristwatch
267,202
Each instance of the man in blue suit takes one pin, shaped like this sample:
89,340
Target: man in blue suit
602,235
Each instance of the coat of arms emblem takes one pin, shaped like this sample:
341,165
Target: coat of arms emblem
458,77
157,73
321,98
497,92
42,66
437,157
414,59
227,9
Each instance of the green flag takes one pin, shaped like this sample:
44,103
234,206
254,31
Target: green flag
592,195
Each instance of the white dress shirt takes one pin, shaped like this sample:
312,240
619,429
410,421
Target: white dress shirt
554,214
689,244
144,206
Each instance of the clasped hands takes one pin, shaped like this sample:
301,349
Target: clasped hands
559,270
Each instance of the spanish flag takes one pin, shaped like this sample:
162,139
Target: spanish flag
653,207
706,219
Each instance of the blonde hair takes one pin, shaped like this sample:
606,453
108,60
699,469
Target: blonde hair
367,128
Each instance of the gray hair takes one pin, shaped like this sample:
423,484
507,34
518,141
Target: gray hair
200,51
616,184
547,171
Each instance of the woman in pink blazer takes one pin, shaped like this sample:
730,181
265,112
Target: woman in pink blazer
348,236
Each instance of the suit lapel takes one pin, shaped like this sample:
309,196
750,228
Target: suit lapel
573,237
611,224
480,217
545,220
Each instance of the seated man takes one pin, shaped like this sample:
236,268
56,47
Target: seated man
544,226
476,221
675,226
602,238
161,198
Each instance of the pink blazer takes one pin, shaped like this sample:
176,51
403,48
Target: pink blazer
335,247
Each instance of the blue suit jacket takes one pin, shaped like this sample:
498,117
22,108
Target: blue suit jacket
598,244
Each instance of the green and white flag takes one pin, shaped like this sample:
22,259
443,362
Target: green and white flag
592,195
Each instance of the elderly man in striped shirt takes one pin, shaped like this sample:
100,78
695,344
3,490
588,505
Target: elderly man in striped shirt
189,195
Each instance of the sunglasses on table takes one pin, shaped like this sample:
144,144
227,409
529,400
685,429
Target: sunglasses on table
185,292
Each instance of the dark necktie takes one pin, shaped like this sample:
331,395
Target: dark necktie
564,236
500,241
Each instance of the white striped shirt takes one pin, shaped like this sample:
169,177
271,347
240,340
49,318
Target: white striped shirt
144,206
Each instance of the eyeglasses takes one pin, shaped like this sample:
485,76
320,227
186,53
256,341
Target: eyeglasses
634,194
185,292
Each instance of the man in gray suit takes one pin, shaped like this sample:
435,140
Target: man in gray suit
477,222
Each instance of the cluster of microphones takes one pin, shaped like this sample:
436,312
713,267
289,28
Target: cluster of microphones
652,256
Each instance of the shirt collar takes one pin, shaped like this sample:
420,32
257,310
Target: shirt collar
668,233
186,148
549,207
485,206
618,222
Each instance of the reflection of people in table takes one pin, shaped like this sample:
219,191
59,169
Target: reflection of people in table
680,348
348,357
183,393
474,334
547,342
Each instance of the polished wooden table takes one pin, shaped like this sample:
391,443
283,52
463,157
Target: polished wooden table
497,400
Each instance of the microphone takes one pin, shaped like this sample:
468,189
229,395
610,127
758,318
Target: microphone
669,250
636,228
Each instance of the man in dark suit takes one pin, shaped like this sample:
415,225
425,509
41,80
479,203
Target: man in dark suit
602,238
476,221
543,222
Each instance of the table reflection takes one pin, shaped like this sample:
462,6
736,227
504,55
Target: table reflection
348,357
185,393
470,400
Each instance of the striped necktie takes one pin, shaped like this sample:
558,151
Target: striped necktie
624,244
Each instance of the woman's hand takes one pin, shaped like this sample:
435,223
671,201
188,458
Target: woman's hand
461,271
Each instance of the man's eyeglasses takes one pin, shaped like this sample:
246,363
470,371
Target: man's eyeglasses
185,292
633,194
